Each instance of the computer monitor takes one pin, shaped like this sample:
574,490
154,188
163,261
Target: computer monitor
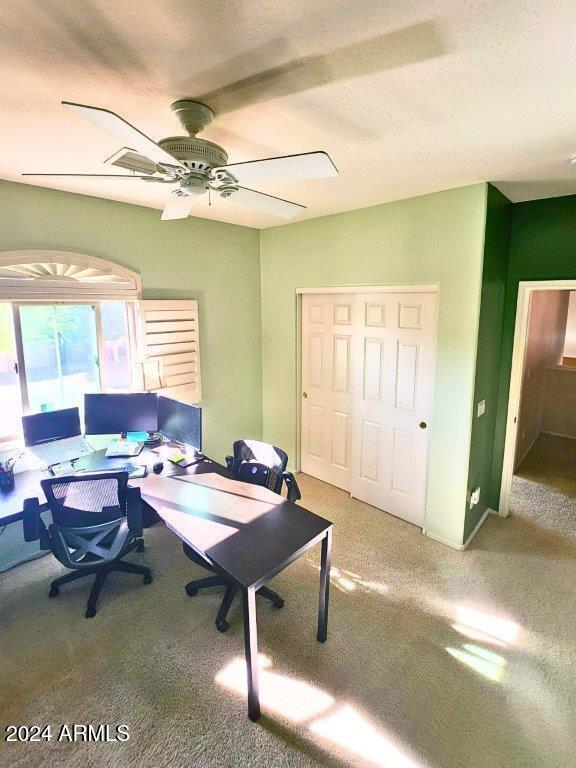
112,414
54,425
180,422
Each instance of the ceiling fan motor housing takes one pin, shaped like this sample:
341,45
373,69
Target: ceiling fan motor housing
196,154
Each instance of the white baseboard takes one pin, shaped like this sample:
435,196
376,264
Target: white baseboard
461,547
442,540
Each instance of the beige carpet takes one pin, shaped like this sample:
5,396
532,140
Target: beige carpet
434,658
544,486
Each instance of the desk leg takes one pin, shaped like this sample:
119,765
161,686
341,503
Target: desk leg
324,586
251,652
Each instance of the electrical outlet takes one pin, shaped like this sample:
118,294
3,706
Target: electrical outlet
481,408
474,497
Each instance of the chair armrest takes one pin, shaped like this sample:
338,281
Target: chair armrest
229,462
31,519
293,490
34,527
134,510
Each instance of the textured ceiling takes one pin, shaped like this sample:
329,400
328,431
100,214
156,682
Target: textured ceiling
408,97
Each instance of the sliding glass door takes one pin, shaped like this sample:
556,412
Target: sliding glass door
52,354
57,354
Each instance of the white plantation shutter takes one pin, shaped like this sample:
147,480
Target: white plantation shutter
169,337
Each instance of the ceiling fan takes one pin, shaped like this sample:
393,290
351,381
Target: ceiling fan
198,166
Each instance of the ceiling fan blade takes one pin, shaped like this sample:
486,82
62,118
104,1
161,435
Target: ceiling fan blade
267,203
129,160
177,207
118,127
258,82
93,175
310,165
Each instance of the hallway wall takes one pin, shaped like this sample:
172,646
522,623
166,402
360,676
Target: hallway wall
570,341
559,412
544,348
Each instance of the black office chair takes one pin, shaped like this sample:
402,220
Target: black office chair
260,464
97,520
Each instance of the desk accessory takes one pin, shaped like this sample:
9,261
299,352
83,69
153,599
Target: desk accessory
7,472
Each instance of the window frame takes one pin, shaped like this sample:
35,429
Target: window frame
126,284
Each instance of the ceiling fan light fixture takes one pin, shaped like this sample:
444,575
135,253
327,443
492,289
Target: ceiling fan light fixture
194,185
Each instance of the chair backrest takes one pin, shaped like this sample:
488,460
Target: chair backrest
259,463
78,500
89,517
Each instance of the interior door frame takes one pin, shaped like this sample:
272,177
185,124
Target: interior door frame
525,290
411,288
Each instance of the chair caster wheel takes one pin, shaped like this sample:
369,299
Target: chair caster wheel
54,591
222,626
278,603
190,590
90,612
148,579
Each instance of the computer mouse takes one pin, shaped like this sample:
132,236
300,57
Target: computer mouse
158,467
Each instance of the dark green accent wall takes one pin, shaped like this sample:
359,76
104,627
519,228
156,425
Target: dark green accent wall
487,379
542,247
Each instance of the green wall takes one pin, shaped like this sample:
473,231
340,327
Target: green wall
542,247
488,356
214,262
436,238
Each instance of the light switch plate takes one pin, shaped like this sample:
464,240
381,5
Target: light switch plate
481,408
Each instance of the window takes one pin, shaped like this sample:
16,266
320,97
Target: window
60,355
116,346
52,354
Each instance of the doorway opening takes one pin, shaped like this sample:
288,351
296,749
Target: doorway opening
539,482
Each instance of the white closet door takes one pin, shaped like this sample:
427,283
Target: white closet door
394,347
326,445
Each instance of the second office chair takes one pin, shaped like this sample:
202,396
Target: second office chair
260,464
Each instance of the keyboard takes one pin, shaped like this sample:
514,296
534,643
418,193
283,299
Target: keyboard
120,448
134,470
59,451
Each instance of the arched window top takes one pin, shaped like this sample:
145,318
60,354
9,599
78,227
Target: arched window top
38,274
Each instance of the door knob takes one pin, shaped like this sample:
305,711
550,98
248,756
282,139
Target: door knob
423,425
304,395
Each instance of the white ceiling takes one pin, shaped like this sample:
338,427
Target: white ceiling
407,96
